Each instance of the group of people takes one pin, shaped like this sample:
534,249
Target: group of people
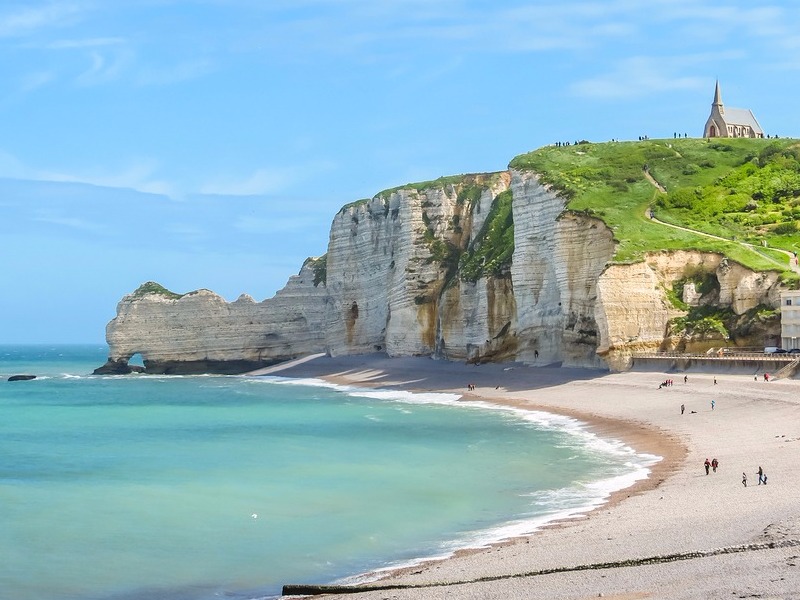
762,477
711,464
666,383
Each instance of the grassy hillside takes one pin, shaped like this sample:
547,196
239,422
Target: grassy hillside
739,189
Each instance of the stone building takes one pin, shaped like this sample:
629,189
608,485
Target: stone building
790,319
731,122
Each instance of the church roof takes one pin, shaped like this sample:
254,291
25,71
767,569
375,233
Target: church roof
742,116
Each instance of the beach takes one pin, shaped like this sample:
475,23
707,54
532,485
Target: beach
678,534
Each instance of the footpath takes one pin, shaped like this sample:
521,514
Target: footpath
752,248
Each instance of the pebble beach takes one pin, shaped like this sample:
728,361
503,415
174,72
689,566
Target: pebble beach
678,534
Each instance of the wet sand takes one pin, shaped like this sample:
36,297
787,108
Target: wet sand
710,536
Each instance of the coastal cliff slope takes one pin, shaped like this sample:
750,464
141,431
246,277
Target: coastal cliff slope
507,266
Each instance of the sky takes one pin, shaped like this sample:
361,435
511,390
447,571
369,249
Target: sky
209,143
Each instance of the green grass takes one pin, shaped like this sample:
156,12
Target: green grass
739,189
493,247
151,287
469,186
319,265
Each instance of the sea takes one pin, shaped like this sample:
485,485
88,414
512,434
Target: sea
205,487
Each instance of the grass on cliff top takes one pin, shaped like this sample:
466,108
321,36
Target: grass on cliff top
469,186
151,287
739,189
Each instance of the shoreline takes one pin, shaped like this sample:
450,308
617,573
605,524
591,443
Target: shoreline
676,509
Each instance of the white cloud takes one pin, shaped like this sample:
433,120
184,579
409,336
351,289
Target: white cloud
69,222
139,176
85,43
639,77
22,22
105,68
262,181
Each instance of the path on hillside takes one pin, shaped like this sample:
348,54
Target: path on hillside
792,263
284,365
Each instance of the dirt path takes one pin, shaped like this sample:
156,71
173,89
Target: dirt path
792,262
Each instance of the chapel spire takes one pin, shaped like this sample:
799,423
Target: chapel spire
718,99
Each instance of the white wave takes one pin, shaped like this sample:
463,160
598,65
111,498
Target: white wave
550,505
577,431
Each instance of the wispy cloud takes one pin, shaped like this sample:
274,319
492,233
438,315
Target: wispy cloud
638,77
68,222
139,176
262,181
85,43
20,22
266,180
105,67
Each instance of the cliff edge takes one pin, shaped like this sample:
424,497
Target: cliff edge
481,267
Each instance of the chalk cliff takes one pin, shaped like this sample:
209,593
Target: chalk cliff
478,268
200,332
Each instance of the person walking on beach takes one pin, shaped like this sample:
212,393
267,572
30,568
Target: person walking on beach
707,465
713,404
714,464
760,474
744,479
683,408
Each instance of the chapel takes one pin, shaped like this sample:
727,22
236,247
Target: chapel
731,122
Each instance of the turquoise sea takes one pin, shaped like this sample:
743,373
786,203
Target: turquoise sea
196,488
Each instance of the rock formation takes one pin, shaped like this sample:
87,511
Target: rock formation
440,269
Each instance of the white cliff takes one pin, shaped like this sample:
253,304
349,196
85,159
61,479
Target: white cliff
397,278
201,332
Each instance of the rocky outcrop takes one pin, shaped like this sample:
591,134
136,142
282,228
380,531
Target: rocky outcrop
478,268
21,377
200,332
634,310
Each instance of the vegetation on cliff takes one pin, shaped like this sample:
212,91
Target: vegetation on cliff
493,247
151,287
319,265
743,190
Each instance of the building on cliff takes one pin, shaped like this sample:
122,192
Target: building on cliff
790,319
730,122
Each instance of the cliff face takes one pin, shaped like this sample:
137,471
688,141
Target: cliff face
407,273
200,332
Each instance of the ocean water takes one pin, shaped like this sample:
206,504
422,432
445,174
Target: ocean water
202,487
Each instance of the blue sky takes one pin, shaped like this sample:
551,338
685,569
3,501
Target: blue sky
209,143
